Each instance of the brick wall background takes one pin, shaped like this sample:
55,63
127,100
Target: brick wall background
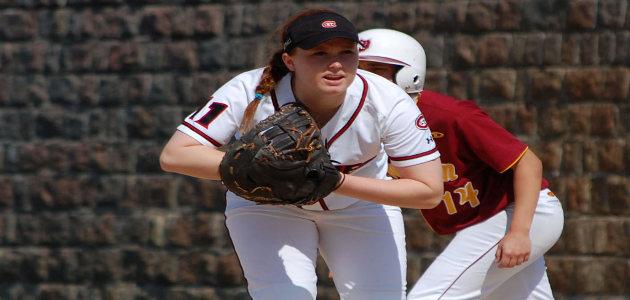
91,90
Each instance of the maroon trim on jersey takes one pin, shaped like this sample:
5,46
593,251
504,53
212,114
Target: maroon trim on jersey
354,115
203,135
347,169
322,203
413,156
274,100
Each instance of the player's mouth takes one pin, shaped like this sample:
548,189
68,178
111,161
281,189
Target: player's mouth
333,79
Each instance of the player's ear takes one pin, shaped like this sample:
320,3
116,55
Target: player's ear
288,61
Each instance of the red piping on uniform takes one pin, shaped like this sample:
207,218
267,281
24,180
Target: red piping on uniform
203,135
346,169
322,203
413,156
274,100
466,269
354,115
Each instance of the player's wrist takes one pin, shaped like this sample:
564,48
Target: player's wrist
342,179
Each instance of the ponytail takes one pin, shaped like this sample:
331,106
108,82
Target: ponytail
268,81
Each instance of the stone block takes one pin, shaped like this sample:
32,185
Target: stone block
551,157
29,90
616,85
420,237
451,16
182,56
605,120
583,84
527,49
589,49
79,57
229,272
497,84
18,24
622,43
196,293
552,49
606,48
553,122
402,18
582,14
612,13
544,14
572,158
152,56
197,267
149,191
509,14
425,15
481,16
611,156
494,50
209,20
465,52
202,194
147,122
459,84
157,21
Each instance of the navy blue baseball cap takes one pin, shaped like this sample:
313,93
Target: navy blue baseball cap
312,30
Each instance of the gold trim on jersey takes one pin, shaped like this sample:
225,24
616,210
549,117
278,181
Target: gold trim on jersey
516,161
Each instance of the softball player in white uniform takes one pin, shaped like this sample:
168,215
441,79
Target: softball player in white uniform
364,119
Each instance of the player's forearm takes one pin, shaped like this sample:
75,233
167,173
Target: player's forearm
400,192
527,178
197,161
420,187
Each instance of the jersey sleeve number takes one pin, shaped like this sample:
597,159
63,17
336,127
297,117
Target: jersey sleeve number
214,110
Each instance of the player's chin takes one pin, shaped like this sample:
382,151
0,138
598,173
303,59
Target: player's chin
335,87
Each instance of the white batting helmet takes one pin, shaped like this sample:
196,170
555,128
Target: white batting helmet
396,48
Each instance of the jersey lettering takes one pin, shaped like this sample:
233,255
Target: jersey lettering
215,109
448,172
448,201
468,194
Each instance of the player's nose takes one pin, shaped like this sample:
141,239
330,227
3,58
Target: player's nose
335,65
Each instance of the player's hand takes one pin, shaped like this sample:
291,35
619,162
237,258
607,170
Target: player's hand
513,249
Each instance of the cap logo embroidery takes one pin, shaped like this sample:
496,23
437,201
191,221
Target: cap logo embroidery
363,45
329,24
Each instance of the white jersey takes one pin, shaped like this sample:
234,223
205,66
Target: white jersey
376,122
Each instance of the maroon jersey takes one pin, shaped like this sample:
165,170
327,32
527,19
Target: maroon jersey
476,155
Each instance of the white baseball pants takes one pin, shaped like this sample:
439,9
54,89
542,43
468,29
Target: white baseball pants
466,268
363,245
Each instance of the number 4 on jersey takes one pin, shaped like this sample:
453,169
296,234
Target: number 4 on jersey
214,110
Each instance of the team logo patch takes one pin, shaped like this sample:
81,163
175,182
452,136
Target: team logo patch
421,122
329,24
363,45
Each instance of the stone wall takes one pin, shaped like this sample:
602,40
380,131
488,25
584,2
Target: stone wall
91,90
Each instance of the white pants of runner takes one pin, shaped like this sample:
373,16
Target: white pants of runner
363,245
466,268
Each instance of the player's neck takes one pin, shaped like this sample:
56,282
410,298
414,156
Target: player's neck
321,106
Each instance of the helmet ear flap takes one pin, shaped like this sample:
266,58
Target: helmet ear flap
410,79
